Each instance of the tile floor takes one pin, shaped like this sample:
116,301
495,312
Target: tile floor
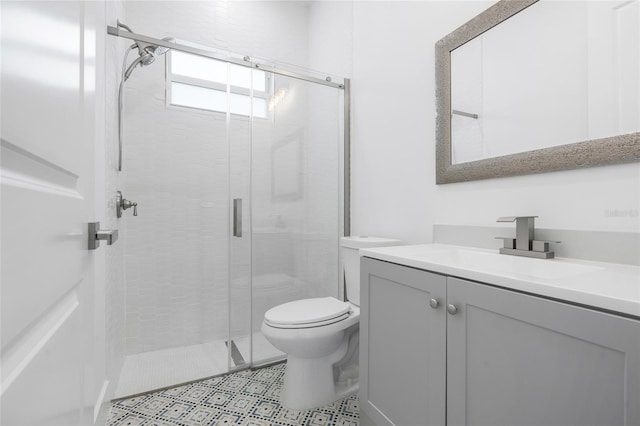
242,398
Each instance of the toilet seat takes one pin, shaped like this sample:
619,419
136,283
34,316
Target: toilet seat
306,313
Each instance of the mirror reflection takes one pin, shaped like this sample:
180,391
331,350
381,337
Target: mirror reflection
554,74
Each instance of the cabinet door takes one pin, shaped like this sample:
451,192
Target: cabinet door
515,359
402,338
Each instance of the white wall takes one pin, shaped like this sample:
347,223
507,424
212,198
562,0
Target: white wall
393,142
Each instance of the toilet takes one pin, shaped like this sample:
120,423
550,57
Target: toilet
320,337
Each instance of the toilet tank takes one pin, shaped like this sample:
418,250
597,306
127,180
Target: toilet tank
349,247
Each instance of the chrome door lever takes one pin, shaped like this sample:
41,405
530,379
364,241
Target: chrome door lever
96,234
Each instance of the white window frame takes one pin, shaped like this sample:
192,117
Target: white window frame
229,89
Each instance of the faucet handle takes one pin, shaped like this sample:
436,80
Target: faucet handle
524,230
123,204
542,245
513,218
508,242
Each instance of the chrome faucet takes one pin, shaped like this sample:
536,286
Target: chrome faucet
524,244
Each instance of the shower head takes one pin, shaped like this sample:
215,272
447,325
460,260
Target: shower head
155,50
161,50
148,53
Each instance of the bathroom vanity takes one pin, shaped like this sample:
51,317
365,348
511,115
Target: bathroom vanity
463,336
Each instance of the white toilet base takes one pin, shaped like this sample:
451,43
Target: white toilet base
308,383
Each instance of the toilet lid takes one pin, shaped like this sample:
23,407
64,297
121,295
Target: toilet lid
307,311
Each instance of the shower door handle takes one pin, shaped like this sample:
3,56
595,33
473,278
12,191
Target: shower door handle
237,217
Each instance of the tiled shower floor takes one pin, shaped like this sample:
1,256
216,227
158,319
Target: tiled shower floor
242,398
154,370
147,371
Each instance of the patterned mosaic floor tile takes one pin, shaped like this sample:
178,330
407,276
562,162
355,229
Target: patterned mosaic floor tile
153,405
249,398
156,422
226,419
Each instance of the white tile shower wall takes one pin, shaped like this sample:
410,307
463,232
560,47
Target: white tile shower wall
393,150
264,29
176,249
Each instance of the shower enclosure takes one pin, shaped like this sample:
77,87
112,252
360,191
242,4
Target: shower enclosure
238,171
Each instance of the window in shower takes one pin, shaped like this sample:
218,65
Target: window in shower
204,83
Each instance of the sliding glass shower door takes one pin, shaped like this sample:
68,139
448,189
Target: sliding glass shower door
236,172
239,139
296,213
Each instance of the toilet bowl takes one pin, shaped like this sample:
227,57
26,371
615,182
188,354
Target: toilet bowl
321,337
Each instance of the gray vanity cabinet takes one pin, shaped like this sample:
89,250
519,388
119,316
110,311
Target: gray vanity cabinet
510,358
402,345
516,359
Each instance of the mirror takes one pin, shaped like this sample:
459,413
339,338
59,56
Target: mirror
534,86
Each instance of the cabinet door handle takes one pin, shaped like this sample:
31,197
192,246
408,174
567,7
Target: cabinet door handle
434,303
452,309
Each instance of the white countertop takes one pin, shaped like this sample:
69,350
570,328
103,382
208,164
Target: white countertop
610,286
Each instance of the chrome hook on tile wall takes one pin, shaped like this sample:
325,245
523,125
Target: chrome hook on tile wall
123,204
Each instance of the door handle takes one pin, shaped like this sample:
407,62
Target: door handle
96,234
237,217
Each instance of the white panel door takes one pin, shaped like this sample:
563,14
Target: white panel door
48,135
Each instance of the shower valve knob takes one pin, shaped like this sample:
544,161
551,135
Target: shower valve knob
124,204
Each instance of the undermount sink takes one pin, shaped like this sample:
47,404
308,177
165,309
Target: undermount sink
499,264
